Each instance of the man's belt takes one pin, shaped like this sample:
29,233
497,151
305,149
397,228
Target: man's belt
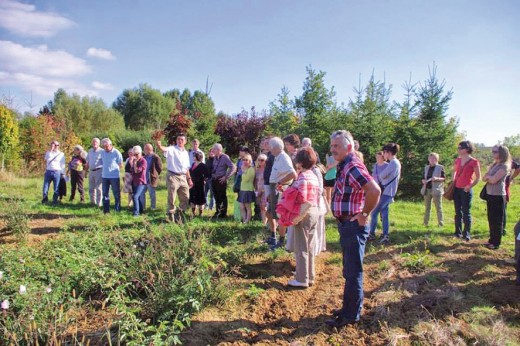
96,169
343,218
175,173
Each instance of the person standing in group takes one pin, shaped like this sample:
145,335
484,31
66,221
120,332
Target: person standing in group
195,148
112,163
138,170
307,143
128,178
515,170
153,170
282,174
355,196
496,194
76,171
433,188
208,187
305,232
379,167
199,174
466,174
178,179
389,181
260,187
55,166
246,195
329,178
223,169
292,144
271,222
94,167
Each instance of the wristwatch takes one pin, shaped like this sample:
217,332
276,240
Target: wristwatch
364,214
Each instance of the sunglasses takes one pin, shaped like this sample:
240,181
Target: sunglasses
260,160
494,151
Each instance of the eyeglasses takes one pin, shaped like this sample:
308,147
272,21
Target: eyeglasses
494,151
260,160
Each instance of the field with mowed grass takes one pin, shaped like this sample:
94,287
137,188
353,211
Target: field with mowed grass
70,275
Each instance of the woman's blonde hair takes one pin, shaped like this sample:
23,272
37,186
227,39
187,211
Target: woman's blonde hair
503,155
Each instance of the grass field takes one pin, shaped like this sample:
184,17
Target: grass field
90,278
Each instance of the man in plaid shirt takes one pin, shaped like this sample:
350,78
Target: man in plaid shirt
355,195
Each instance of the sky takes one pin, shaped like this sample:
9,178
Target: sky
249,50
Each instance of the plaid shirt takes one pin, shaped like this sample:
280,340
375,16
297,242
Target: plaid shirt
308,187
348,197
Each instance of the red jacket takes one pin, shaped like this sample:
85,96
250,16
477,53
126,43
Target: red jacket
288,208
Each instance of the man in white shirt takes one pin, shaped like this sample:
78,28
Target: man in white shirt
178,180
94,167
194,148
55,166
281,176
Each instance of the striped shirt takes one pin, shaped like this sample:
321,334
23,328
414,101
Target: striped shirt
348,197
308,187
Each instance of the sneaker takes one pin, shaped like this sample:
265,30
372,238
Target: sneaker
339,322
384,239
270,241
278,244
371,237
294,283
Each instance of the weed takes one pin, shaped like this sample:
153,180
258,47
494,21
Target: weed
335,259
16,220
418,262
254,292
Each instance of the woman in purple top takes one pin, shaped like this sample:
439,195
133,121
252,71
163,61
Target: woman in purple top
138,170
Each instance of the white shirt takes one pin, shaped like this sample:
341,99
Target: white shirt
281,167
192,156
55,160
177,159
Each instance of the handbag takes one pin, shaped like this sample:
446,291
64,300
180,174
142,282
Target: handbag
483,193
448,194
450,191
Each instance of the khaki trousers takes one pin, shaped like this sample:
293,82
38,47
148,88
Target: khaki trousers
437,200
177,185
305,233
94,187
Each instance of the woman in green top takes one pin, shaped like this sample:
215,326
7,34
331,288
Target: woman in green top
246,196
330,178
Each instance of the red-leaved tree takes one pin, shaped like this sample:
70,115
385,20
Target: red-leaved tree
179,122
244,128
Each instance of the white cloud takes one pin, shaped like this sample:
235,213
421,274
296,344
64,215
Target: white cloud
40,60
41,70
100,53
102,86
23,19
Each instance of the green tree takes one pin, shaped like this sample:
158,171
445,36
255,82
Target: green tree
8,136
513,143
371,117
431,131
144,107
315,106
282,118
84,115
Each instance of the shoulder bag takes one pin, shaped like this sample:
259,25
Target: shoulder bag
450,191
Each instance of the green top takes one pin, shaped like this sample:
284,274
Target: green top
248,178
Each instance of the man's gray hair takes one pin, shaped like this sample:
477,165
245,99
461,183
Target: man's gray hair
345,136
276,142
306,142
217,146
138,149
95,139
106,141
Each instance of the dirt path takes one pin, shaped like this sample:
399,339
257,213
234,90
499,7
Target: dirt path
398,305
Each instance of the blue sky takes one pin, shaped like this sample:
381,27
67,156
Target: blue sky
250,49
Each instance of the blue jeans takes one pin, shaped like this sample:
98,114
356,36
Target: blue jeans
139,191
153,198
209,188
462,202
352,238
382,207
54,177
116,191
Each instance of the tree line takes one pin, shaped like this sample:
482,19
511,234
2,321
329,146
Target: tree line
420,122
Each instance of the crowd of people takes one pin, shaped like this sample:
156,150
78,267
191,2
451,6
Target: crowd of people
290,191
